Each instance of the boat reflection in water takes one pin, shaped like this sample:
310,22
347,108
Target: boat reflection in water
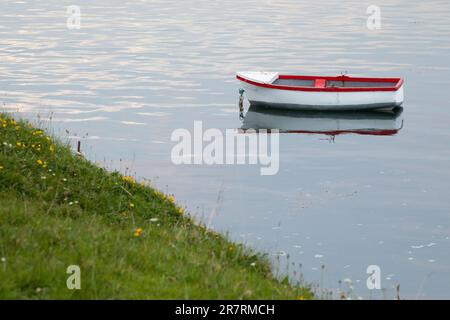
385,123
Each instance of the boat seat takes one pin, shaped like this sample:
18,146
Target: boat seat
320,83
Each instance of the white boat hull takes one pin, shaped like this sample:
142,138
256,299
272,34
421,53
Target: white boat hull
324,101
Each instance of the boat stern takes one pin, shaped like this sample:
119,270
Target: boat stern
399,94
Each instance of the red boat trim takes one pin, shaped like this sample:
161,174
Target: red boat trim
397,81
389,132
361,132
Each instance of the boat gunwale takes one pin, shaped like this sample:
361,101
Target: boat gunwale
397,81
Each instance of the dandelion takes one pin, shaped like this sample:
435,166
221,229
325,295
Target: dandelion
19,144
129,179
161,195
137,232
171,199
38,133
42,163
300,298
180,211
132,205
1,167
51,148
231,248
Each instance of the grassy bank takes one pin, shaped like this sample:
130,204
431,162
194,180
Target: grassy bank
129,240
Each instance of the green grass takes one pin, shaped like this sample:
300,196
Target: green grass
58,209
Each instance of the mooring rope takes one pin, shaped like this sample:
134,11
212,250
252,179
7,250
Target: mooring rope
241,103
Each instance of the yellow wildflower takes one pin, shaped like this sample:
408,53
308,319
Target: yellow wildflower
231,248
181,211
42,163
137,232
301,298
161,195
1,167
129,179
19,144
38,133
132,205
52,148
171,199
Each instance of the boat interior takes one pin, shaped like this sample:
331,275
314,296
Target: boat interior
336,82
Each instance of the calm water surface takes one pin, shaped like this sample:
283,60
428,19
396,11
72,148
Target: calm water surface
137,70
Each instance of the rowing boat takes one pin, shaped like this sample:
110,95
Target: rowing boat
325,93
